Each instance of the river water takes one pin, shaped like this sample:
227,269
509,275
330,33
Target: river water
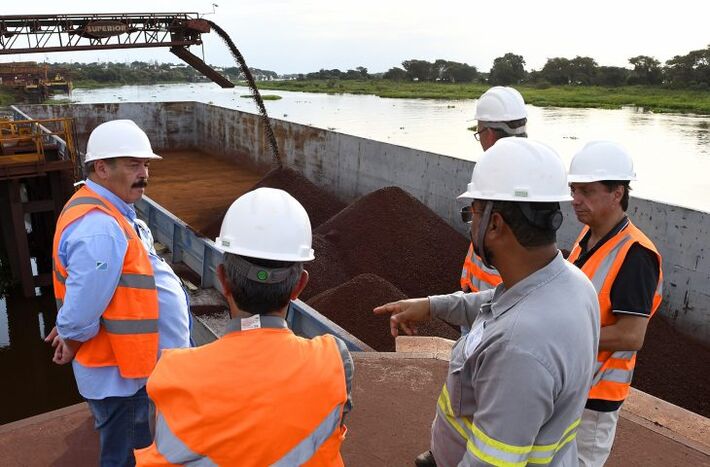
671,151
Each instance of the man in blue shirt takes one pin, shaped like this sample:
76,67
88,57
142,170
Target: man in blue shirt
93,253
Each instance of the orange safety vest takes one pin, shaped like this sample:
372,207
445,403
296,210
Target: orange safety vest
128,333
252,398
475,276
614,370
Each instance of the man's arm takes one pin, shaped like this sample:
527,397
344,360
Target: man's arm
631,300
459,308
64,350
514,399
628,333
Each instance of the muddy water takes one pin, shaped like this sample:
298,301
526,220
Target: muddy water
30,383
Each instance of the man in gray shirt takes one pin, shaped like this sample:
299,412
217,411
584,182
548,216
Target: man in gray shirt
518,381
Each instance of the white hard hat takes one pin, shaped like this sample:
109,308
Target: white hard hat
268,224
521,170
500,104
118,138
601,160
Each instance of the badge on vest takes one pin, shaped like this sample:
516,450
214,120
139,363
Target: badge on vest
253,322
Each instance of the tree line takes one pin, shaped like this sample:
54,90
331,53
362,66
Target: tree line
691,70
138,72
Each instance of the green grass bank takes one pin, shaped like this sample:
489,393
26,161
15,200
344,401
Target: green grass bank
656,99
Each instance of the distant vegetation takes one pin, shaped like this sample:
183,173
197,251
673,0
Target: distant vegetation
689,71
653,98
96,75
264,97
681,84
8,96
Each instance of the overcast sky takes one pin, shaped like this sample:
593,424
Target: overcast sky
293,36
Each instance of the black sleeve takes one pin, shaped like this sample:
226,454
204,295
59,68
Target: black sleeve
635,285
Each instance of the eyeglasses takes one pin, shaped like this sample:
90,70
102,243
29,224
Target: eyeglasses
467,213
477,134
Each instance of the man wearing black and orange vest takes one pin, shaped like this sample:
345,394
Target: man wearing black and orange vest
625,268
119,304
500,113
259,395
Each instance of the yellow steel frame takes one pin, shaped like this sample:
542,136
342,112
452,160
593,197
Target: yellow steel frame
22,142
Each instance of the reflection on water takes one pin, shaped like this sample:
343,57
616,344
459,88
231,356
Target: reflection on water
30,384
671,151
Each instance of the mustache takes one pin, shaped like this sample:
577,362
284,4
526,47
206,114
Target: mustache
142,183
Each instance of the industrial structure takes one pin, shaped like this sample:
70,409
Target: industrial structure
38,163
66,33
36,80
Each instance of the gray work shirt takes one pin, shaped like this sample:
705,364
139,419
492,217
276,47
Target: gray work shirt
518,381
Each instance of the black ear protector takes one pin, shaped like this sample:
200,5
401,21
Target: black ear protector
548,219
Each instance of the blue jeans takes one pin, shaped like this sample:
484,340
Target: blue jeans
123,425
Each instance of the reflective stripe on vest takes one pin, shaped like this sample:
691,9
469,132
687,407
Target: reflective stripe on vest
304,450
137,281
86,200
602,272
130,326
475,275
83,200
249,426
613,374
173,449
481,446
59,275
177,452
